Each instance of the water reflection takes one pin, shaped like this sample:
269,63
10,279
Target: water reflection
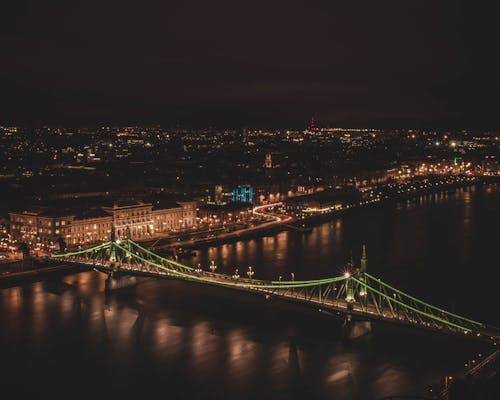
390,380
203,343
167,337
241,356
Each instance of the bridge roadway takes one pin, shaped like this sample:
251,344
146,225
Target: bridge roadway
294,291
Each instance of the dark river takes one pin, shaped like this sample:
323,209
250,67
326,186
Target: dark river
63,337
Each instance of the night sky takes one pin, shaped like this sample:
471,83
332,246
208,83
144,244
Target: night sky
250,63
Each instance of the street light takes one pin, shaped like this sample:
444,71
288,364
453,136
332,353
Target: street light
236,274
292,275
250,273
213,267
198,269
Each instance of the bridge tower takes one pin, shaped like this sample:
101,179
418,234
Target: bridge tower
364,260
363,292
349,288
127,242
117,278
354,327
112,250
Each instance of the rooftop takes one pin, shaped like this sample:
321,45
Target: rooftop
99,206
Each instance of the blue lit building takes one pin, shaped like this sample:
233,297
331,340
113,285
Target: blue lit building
243,194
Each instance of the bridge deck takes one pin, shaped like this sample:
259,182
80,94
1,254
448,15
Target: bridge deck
368,312
356,293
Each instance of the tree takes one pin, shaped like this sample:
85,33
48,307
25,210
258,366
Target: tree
25,249
62,244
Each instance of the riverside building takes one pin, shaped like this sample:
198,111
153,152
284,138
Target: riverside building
42,228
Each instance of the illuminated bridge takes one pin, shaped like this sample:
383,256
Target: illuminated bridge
356,294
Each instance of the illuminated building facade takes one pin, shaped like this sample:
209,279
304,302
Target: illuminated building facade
43,228
268,162
219,197
243,193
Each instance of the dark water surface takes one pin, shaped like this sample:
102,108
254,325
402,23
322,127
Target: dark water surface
64,338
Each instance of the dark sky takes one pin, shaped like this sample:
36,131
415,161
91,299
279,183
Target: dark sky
250,63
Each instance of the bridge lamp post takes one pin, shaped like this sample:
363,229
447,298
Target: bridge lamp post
447,381
236,274
213,267
292,276
250,273
198,269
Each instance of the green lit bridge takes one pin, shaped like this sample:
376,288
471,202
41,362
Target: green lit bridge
356,294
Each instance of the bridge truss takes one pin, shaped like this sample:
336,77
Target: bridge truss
356,293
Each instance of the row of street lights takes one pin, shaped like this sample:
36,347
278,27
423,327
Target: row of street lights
250,273
212,267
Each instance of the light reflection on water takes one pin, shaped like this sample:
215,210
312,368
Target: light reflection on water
197,340
391,379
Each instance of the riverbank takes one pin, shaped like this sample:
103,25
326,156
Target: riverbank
396,197
36,273
479,379
275,227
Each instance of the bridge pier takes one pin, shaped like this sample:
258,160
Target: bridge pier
114,282
355,329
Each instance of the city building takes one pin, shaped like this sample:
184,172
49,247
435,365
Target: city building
268,163
45,227
243,194
322,202
219,197
212,215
